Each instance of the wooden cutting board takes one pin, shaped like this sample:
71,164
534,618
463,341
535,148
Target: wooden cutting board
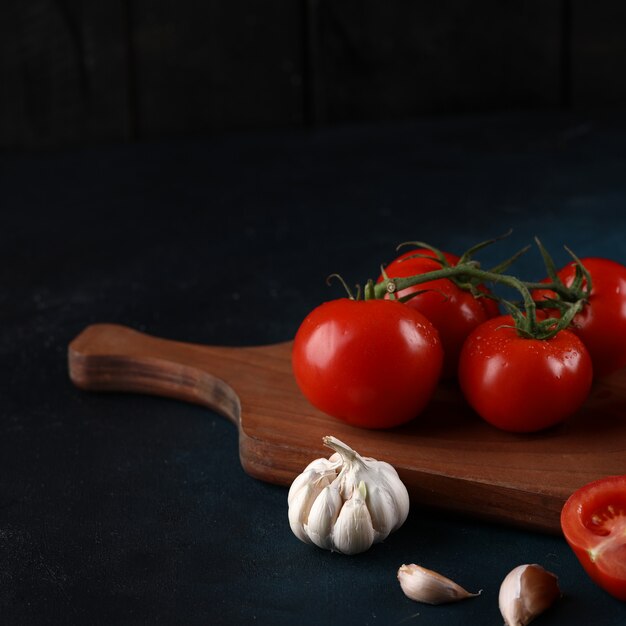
448,457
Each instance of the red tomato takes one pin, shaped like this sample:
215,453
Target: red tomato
602,323
371,363
523,385
453,311
594,524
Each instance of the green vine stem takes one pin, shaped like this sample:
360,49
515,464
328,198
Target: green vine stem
468,275
526,324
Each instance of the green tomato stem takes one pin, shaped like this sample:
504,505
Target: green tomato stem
527,325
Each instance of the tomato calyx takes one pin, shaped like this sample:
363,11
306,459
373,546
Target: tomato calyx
351,295
578,290
528,325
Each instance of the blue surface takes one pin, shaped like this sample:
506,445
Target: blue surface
120,509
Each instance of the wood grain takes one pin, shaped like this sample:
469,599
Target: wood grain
448,458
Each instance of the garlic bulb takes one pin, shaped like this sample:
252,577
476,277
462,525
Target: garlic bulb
347,502
527,591
424,585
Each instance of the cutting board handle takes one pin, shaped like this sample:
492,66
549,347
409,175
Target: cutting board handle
110,357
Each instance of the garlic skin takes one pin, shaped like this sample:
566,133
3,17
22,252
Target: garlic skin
347,502
526,592
424,585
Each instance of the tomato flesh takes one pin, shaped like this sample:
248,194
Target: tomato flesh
453,311
593,521
371,363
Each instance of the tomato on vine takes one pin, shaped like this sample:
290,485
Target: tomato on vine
371,363
601,324
520,383
375,362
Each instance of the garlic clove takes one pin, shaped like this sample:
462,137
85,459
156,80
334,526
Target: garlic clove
311,475
301,505
526,592
400,493
424,585
353,531
303,479
323,516
382,507
388,499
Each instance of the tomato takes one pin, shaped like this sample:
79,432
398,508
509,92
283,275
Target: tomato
519,384
454,311
602,323
371,363
594,524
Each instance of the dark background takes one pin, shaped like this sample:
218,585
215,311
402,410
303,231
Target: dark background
195,170
75,71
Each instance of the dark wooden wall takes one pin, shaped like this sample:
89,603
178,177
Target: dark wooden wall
85,71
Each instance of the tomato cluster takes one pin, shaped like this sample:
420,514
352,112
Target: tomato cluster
375,362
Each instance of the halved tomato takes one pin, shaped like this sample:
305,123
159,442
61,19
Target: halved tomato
594,524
